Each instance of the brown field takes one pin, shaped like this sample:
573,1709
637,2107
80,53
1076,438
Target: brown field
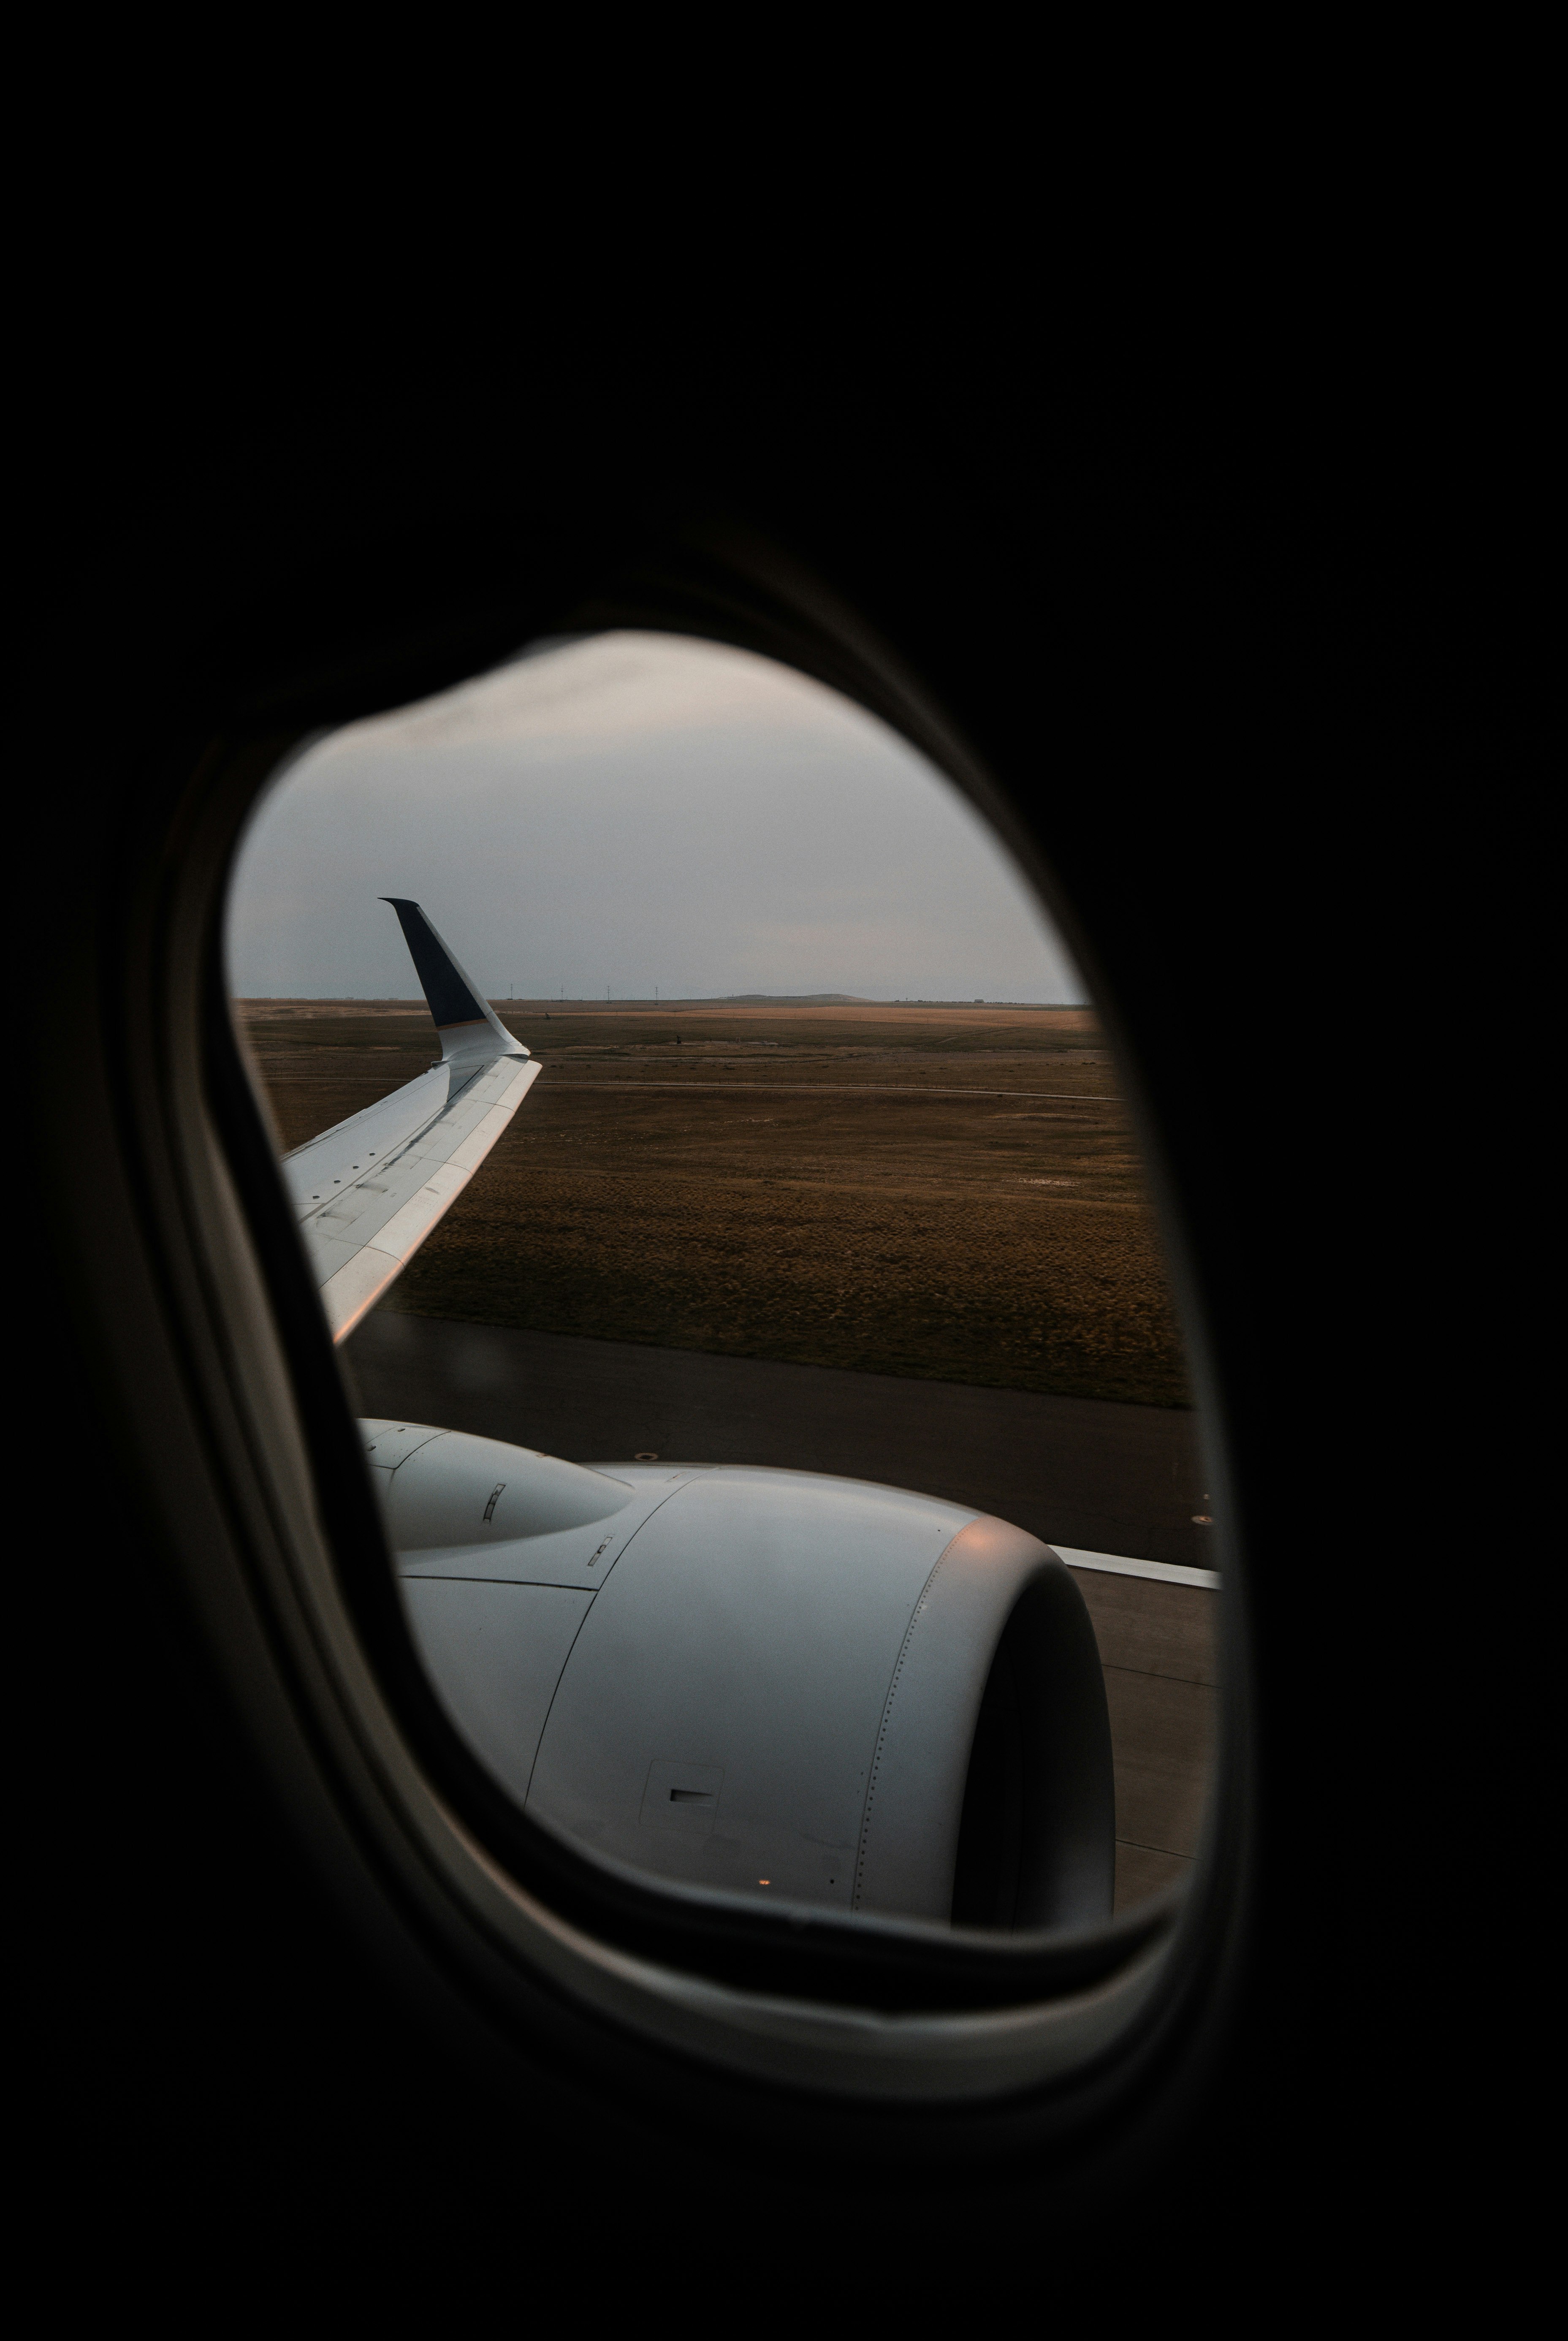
949,1192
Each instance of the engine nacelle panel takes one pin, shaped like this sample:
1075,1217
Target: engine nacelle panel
789,1686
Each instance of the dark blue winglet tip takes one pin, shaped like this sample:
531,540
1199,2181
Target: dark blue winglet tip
447,992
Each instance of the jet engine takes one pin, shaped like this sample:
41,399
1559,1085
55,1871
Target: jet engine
785,1685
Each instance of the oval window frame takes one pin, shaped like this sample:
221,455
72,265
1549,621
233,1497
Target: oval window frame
899,2013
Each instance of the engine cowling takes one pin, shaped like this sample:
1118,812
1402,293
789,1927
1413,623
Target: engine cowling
795,1687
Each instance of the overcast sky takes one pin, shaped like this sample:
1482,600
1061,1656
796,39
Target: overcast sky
630,811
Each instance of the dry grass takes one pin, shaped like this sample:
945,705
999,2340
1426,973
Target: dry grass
946,1192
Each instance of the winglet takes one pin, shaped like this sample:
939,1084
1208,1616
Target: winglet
460,1008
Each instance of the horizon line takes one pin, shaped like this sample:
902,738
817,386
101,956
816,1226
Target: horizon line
676,1000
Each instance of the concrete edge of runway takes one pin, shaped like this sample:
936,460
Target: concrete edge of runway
1115,1564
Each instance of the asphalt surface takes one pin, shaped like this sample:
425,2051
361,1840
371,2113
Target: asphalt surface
1086,1472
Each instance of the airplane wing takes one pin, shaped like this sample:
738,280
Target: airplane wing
368,1191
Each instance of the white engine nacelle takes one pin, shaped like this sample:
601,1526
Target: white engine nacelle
810,1689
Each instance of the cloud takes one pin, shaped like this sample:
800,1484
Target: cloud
592,695
628,812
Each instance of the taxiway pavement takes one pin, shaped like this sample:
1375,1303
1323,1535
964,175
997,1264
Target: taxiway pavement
1078,1471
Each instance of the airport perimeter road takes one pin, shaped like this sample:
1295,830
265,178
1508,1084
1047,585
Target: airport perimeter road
1076,1472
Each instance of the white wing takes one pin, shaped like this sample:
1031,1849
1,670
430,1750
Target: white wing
368,1191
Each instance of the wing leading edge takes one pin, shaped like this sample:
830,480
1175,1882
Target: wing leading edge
368,1191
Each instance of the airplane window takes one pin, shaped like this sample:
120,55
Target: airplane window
760,1339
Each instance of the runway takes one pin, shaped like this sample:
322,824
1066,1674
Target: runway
1077,1472
1072,1470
